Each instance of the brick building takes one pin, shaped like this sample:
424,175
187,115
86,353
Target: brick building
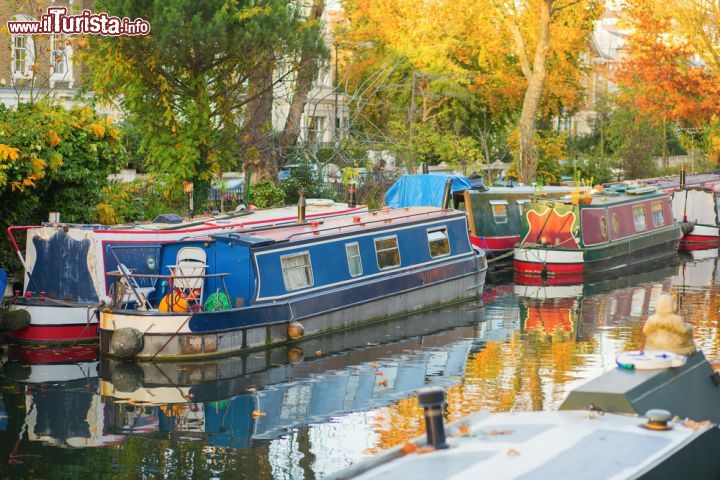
39,66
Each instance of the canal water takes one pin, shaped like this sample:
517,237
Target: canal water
312,409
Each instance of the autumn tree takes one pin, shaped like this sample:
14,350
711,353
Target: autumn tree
661,77
465,64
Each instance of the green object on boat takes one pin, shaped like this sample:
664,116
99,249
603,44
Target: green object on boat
216,302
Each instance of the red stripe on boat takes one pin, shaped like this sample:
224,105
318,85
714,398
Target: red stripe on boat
64,333
699,242
499,244
551,268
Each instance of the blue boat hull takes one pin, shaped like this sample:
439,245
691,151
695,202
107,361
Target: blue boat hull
208,334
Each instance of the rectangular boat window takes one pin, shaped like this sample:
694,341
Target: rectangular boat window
639,217
521,206
387,251
438,242
657,214
499,210
352,250
297,271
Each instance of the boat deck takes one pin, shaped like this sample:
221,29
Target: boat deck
347,223
543,445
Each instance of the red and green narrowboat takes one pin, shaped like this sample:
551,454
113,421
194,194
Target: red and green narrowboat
595,233
495,214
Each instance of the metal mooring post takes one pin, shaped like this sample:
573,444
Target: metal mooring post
432,400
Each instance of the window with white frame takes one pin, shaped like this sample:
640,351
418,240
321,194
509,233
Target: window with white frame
499,210
296,271
639,218
438,242
352,250
60,58
658,214
387,251
22,51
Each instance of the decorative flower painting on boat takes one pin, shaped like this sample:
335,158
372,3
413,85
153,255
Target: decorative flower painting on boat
551,227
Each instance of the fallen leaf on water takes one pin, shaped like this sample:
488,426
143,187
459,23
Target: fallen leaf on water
318,353
513,453
258,414
383,383
464,430
408,448
373,364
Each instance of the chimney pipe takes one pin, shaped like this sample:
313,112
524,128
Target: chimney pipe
301,207
447,196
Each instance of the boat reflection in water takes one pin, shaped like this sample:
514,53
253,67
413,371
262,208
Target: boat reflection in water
229,402
57,388
575,311
261,396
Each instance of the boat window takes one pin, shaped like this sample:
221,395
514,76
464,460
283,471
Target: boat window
657,214
499,210
521,205
615,224
387,251
352,250
438,242
297,271
603,227
639,217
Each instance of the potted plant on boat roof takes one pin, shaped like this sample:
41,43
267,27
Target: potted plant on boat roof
582,194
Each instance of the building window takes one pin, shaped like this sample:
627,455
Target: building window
315,129
352,250
297,271
387,251
438,242
60,52
499,210
639,218
657,214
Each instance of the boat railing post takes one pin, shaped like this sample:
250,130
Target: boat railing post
432,400
425,168
352,201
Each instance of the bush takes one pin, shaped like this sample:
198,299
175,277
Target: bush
59,161
305,176
266,194
142,199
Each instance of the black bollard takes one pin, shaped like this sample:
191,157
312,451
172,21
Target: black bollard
432,400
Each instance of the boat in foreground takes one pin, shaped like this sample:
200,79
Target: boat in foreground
234,292
571,238
67,265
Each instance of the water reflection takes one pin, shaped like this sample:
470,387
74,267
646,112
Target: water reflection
310,409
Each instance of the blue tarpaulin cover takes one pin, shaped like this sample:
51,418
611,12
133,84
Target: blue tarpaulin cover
423,190
3,282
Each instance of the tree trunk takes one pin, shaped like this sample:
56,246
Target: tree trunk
259,149
527,161
307,71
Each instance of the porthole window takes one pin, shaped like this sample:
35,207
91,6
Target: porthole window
615,224
603,227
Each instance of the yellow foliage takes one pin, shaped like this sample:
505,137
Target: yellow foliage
53,138
98,130
8,152
106,214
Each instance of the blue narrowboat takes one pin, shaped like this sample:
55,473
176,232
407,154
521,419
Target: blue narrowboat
231,292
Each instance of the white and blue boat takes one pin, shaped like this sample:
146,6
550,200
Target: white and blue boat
232,292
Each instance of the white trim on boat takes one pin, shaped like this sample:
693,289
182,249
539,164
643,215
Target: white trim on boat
547,255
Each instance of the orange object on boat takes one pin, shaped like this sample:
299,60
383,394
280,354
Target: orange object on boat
174,302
